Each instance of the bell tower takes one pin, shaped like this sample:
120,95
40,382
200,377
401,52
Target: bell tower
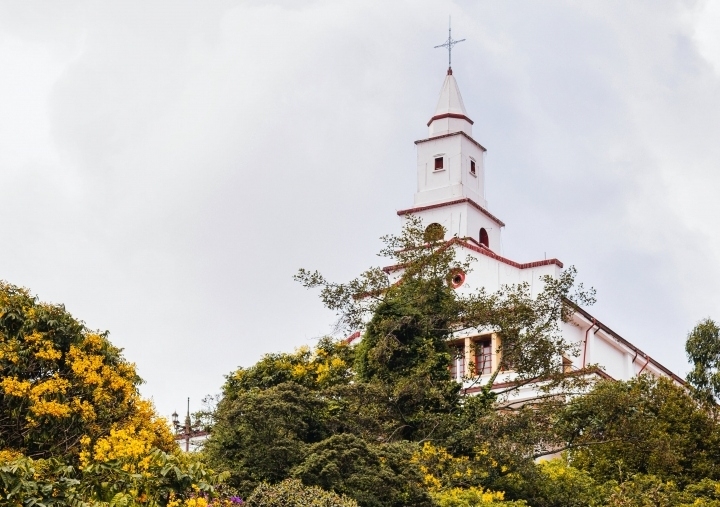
451,174
450,161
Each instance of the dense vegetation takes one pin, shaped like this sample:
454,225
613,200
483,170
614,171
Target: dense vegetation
382,422
377,424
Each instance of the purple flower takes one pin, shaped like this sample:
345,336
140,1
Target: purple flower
236,500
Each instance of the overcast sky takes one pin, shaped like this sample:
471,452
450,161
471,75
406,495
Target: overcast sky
166,167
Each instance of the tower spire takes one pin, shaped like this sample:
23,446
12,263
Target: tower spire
449,43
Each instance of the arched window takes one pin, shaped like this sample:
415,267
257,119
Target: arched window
434,232
484,240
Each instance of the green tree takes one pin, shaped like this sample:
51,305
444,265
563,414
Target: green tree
703,351
374,475
409,319
260,435
646,425
339,416
292,493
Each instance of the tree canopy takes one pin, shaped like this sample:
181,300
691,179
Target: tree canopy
703,351
66,391
74,430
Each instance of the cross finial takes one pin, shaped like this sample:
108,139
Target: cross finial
449,43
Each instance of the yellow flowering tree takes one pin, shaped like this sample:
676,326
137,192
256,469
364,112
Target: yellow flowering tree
73,427
65,391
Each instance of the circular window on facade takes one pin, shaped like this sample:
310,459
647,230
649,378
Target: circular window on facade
456,278
434,232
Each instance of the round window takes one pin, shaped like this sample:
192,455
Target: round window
456,278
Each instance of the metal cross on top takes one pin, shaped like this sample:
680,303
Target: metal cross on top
449,45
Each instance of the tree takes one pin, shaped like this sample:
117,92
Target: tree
64,389
646,425
703,351
343,417
292,493
73,427
374,475
410,310
260,435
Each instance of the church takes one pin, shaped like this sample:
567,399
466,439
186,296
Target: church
451,193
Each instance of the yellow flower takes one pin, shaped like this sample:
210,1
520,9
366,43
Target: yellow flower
49,409
14,387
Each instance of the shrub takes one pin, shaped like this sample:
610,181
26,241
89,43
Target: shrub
292,493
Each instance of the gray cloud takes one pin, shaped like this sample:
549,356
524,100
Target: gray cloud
167,167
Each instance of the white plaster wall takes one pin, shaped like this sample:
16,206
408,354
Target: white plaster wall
448,125
609,354
464,221
454,180
492,274
574,333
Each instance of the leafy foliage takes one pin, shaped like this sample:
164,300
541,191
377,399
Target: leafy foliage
260,435
167,479
74,430
473,497
647,425
375,475
292,493
703,350
64,388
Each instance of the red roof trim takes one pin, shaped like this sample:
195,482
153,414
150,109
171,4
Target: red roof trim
450,203
461,133
489,253
622,340
352,337
450,115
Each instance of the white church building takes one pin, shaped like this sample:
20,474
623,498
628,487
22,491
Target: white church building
451,192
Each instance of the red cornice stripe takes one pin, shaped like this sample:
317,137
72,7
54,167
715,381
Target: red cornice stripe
489,253
461,133
622,340
450,115
450,203
352,337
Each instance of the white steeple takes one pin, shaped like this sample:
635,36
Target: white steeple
450,115
451,173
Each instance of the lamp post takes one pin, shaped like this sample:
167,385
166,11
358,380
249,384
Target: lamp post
185,432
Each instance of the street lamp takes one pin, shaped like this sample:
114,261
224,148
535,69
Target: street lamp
186,431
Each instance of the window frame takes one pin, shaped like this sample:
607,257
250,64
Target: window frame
482,348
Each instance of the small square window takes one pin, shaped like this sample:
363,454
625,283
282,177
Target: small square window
438,163
472,167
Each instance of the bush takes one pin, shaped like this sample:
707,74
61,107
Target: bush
376,475
292,493
473,497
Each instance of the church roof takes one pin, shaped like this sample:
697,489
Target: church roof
472,203
450,103
483,250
